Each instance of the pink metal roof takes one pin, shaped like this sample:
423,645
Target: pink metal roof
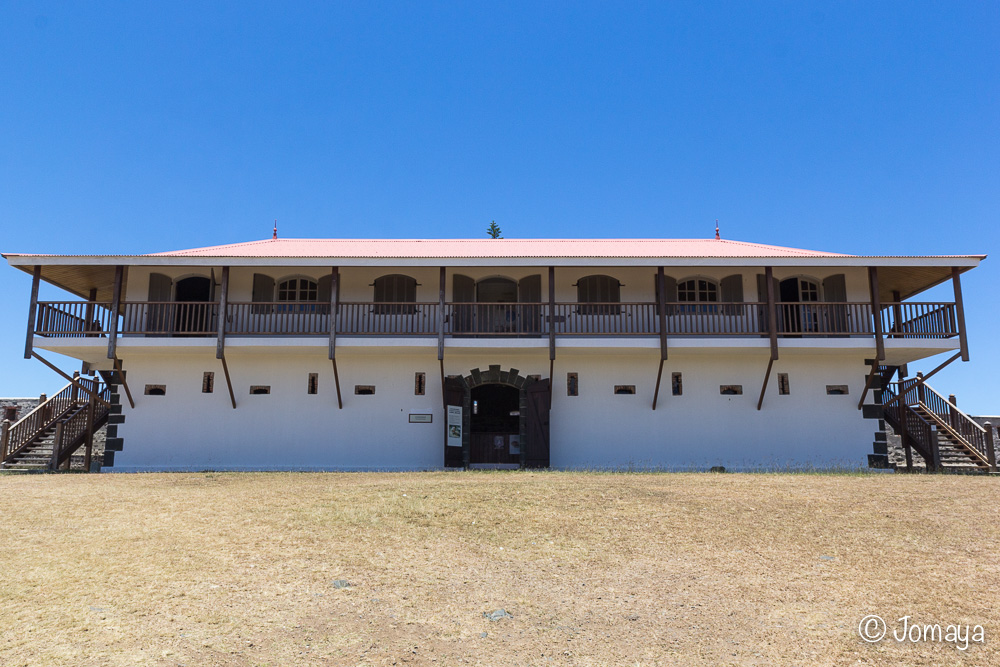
495,248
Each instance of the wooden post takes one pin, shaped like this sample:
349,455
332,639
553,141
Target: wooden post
440,317
953,411
772,312
552,313
56,447
88,452
897,314
963,339
935,447
29,341
220,338
332,352
552,331
116,302
991,455
4,438
334,306
920,387
74,393
876,313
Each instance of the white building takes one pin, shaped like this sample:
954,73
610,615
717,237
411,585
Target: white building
563,353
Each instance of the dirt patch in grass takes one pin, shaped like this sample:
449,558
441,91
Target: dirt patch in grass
593,569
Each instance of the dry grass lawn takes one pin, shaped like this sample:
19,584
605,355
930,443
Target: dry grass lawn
594,569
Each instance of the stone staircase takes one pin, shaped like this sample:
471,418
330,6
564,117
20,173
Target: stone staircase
932,432
59,433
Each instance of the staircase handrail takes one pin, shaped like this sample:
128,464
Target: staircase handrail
34,423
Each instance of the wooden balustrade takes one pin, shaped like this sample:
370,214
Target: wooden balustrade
72,319
164,318
911,319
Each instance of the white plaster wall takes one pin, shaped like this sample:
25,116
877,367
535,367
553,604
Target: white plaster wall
290,429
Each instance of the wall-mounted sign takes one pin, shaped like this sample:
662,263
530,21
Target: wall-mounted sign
454,425
421,419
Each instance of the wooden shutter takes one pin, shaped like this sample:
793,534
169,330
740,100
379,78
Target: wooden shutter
158,317
463,290
159,287
670,289
536,422
454,394
835,291
529,290
732,292
263,291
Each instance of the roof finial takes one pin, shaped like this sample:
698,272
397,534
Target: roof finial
717,237
275,235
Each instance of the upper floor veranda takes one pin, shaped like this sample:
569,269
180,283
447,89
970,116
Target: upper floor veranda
277,289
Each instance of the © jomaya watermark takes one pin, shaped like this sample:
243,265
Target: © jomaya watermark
873,629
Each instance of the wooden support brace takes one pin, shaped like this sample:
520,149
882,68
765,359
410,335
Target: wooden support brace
923,378
868,383
229,382
76,383
336,383
116,302
444,398
763,387
121,375
29,341
659,376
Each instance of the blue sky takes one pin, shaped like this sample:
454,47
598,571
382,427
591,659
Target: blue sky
858,127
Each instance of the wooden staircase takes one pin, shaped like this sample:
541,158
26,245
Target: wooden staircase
945,437
58,434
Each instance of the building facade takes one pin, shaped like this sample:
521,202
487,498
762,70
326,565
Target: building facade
409,354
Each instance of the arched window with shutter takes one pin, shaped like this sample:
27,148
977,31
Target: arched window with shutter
604,292
395,293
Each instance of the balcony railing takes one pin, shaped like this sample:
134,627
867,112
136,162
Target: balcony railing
161,318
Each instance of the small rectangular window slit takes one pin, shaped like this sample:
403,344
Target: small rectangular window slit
624,389
676,384
783,388
364,389
572,384
207,382
836,389
419,384
156,390
313,386
260,389
731,389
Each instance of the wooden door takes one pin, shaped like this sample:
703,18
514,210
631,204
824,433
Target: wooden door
454,396
536,422
529,291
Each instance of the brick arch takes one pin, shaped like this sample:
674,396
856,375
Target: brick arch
511,378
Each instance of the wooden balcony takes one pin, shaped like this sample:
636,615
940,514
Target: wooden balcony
905,320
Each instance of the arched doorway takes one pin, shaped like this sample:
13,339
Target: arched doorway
495,426
194,312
